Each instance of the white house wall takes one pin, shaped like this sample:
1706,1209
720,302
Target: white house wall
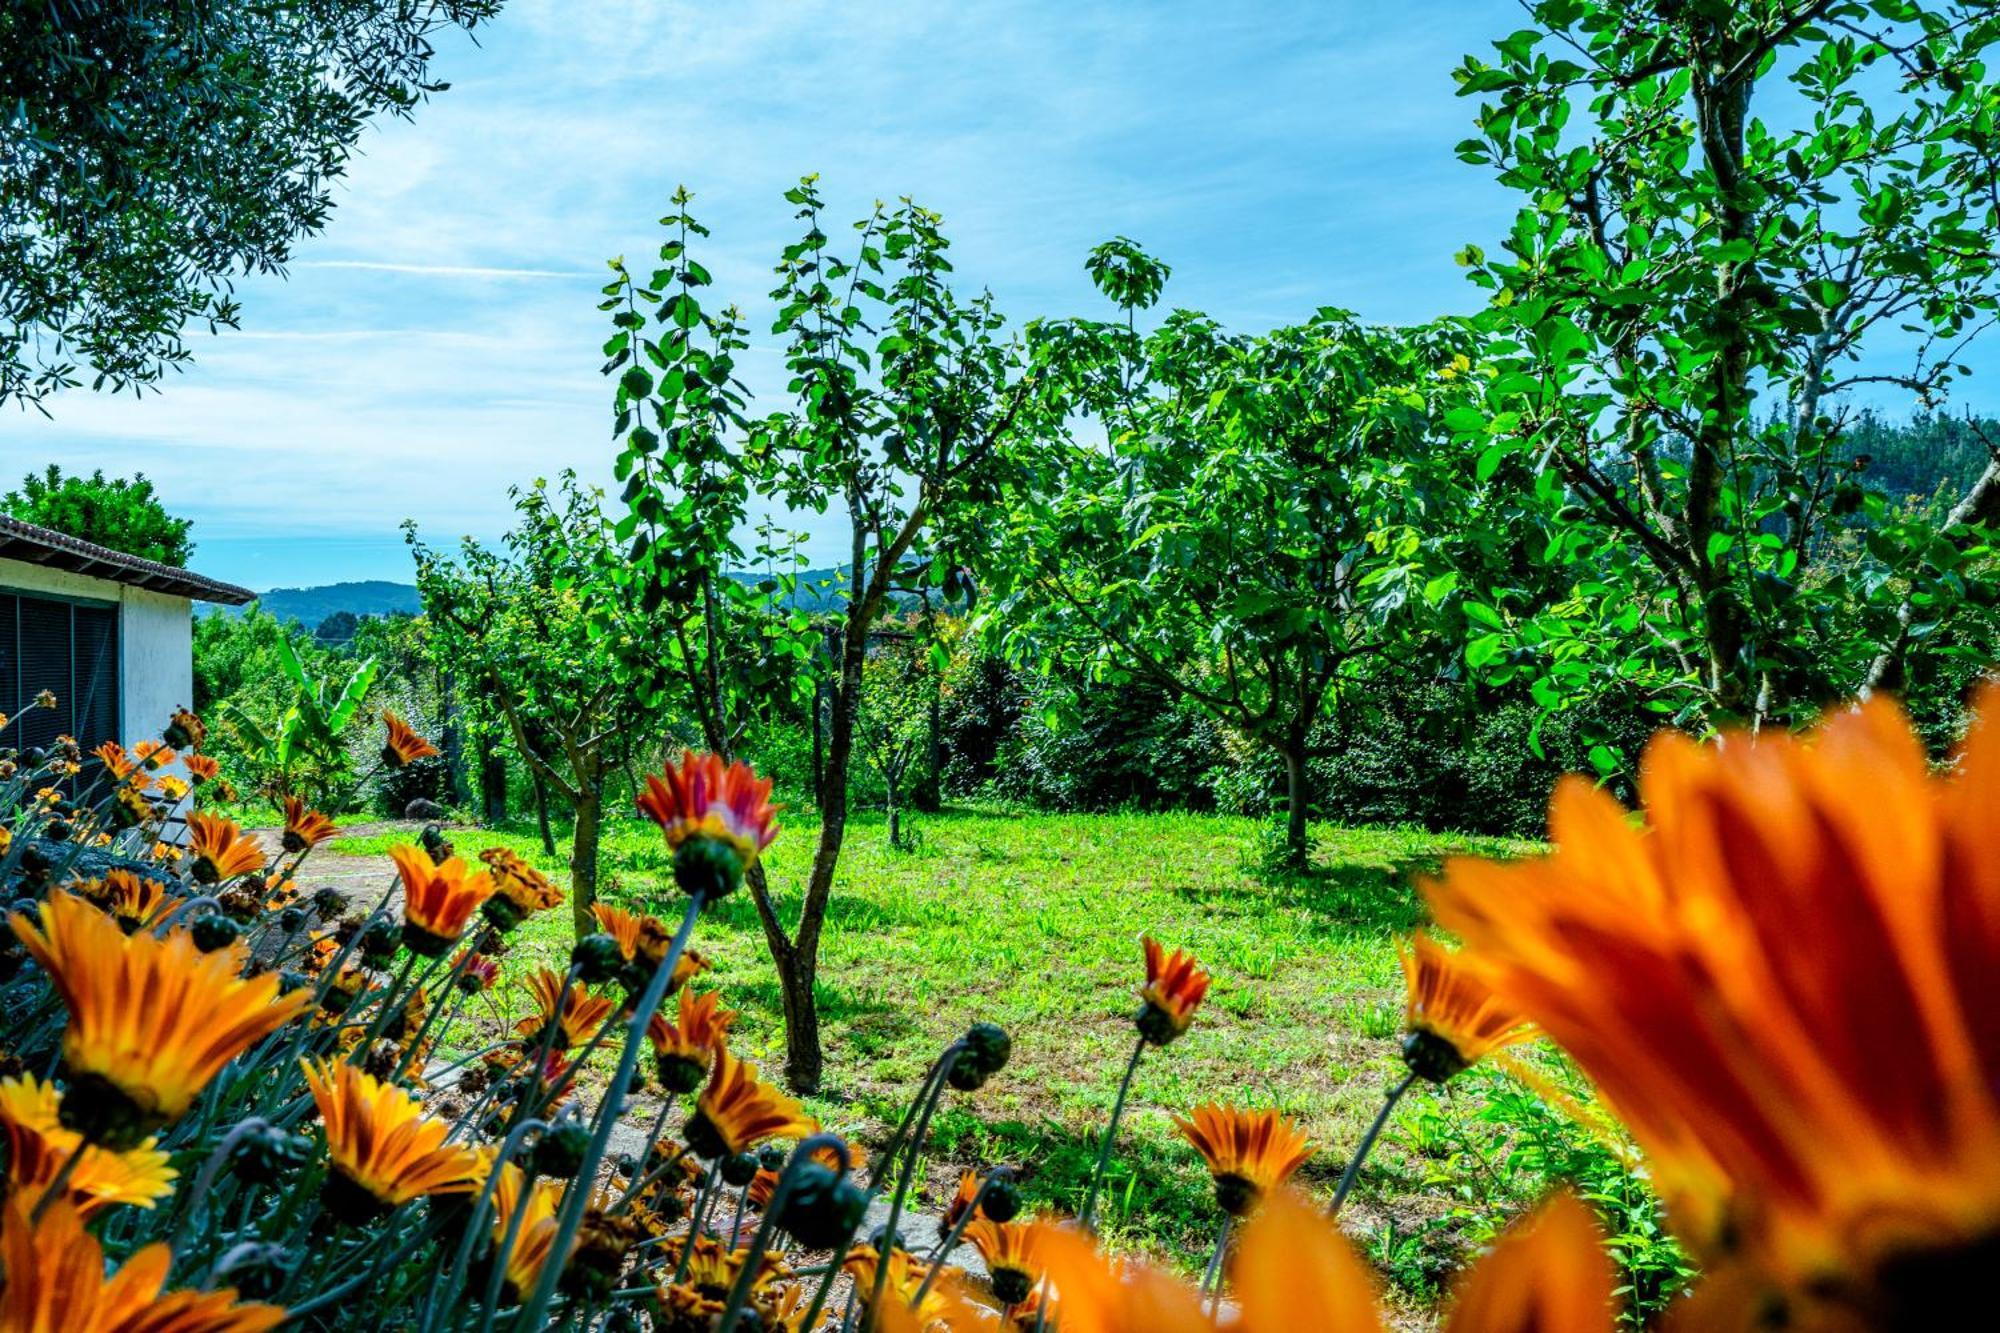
155,643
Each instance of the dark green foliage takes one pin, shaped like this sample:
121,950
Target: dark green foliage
117,512
155,150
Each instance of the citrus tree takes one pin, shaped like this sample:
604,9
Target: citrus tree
1737,217
1266,518
540,622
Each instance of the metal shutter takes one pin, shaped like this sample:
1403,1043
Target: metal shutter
46,662
96,675
10,670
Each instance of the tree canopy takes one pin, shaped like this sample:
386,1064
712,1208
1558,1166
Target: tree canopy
154,151
119,512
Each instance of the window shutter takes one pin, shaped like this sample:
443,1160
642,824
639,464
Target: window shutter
46,662
96,675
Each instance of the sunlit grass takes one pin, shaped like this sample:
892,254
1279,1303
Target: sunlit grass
1033,921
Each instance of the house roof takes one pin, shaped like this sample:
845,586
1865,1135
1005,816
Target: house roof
59,550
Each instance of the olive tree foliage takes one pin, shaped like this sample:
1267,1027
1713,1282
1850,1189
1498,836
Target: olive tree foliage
1266,519
1744,221
540,623
152,150
906,400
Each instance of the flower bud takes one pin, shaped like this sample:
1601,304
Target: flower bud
984,1051
559,1152
739,1170
266,1153
709,867
822,1208
213,930
596,958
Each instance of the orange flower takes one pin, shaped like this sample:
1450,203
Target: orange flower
403,745
1009,1251
1175,985
151,1019
702,798
735,1112
112,755
185,729
1785,985
576,1013
520,889
133,900
201,768
385,1151
221,849
1453,1017
56,1284
438,900
1249,1153
683,1050
39,1148
304,827
643,942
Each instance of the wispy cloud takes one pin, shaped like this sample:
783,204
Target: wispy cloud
448,270
441,341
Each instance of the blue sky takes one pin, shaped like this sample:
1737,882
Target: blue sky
439,341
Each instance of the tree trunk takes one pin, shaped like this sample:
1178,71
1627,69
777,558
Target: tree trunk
542,812
1297,851
895,819
804,1062
493,784
583,857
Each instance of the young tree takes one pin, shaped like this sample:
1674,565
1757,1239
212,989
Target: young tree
541,623
1731,208
156,149
1264,516
897,724
907,399
117,512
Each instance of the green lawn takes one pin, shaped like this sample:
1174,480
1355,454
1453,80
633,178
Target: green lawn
1033,922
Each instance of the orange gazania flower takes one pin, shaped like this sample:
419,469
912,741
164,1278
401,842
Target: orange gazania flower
643,942
536,1239
39,1147
151,1019
385,1151
1785,986
701,798
1249,1153
185,729
520,889
221,849
940,1307
403,745
1009,1251
132,899
438,900
1453,1017
684,1049
112,755
1175,985
576,1013
200,768
304,827
56,1284
735,1112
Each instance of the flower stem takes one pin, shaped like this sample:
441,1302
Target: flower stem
1088,1217
1211,1281
945,1063
571,1217
1353,1172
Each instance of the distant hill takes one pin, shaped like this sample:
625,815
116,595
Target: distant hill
816,590
368,597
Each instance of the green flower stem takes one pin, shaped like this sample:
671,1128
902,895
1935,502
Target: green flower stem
1088,1217
449,991
888,1159
945,1063
826,1285
476,1224
739,1292
1211,1281
380,1022
1353,1172
697,1218
571,1217
950,1239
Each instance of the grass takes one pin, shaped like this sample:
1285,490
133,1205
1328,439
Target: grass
1033,921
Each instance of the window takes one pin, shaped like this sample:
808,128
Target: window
71,648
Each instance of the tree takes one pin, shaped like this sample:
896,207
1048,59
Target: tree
541,623
906,399
899,695
1730,207
117,512
155,150
1265,516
